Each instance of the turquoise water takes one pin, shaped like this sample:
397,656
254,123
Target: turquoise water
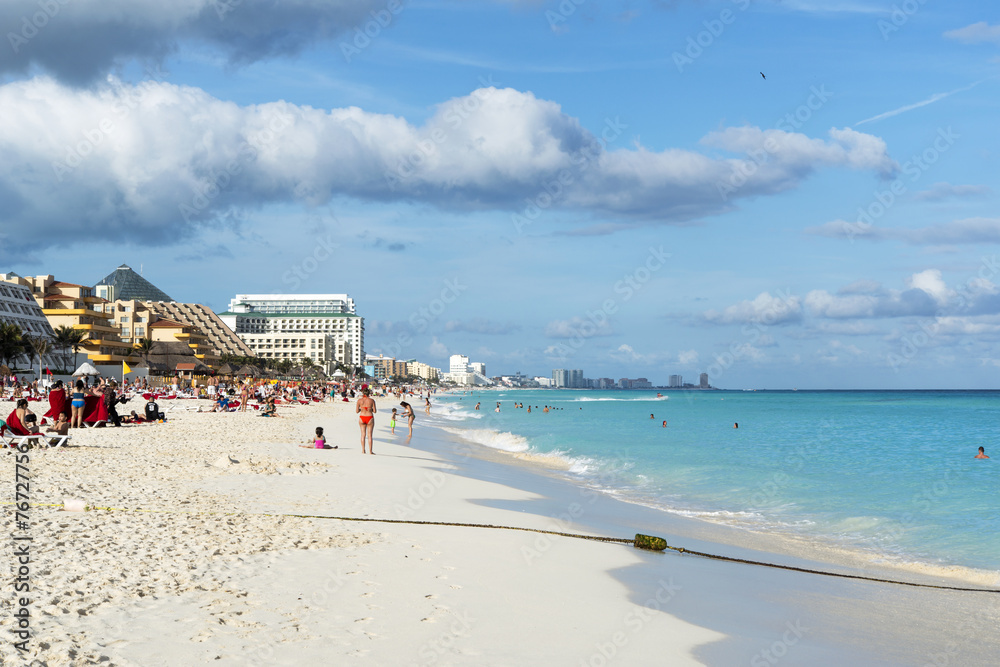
887,472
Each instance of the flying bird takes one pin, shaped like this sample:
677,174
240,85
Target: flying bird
762,76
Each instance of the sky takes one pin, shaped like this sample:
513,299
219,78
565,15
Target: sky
779,193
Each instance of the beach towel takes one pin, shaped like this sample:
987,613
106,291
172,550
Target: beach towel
94,410
15,426
57,404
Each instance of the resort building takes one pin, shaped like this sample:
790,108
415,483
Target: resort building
126,285
421,370
703,381
385,368
171,331
135,318
18,307
676,381
461,372
76,306
324,327
458,363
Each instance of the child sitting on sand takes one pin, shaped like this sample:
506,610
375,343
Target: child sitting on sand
60,426
319,442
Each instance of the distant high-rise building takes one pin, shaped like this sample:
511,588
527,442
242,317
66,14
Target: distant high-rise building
676,381
703,381
477,367
568,379
458,363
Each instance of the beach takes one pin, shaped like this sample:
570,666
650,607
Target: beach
202,562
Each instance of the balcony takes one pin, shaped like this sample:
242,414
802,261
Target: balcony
98,342
96,327
74,312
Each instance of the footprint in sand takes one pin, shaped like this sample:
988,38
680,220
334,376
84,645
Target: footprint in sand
363,620
367,595
455,586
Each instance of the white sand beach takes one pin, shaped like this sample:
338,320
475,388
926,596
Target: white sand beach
190,569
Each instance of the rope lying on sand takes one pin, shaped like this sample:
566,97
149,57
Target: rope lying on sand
640,541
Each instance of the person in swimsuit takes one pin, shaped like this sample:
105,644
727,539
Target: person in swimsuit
981,454
427,405
319,442
408,413
392,422
365,407
76,419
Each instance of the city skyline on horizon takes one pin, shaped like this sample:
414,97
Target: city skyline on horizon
623,192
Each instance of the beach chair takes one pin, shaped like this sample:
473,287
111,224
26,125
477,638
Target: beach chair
54,440
11,440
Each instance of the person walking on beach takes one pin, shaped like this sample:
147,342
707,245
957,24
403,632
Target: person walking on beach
365,407
427,405
408,413
981,454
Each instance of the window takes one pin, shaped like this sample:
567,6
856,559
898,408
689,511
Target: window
124,319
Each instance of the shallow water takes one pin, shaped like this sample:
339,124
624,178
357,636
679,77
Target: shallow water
889,473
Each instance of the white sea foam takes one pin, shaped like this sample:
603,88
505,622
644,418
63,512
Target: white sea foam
590,399
507,441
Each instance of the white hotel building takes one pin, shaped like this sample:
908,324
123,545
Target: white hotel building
324,327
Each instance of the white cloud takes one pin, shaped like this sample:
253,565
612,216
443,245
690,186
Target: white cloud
127,159
764,309
970,231
687,357
437,349
942,191
577,327
975,33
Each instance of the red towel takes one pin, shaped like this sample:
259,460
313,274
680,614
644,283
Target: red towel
57,404
94,410
15,426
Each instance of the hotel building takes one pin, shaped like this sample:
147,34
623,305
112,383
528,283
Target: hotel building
18,307
69,304
324,327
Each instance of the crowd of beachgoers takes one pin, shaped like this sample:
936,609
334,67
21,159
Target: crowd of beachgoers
96,402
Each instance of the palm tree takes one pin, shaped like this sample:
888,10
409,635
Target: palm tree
40,346
145,347
11,343
67,337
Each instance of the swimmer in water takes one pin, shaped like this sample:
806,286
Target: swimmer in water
981,454
664,423
736,425
651,415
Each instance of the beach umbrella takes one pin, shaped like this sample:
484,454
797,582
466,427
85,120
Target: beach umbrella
86,368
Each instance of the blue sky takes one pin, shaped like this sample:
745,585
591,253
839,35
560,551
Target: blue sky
538,185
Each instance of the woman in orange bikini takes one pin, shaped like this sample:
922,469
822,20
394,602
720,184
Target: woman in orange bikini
365,407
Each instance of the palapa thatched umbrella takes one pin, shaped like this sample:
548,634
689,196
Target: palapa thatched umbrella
226,369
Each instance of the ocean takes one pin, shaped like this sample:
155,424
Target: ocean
887,473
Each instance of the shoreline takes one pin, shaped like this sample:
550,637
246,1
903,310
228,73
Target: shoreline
252,589
772,534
